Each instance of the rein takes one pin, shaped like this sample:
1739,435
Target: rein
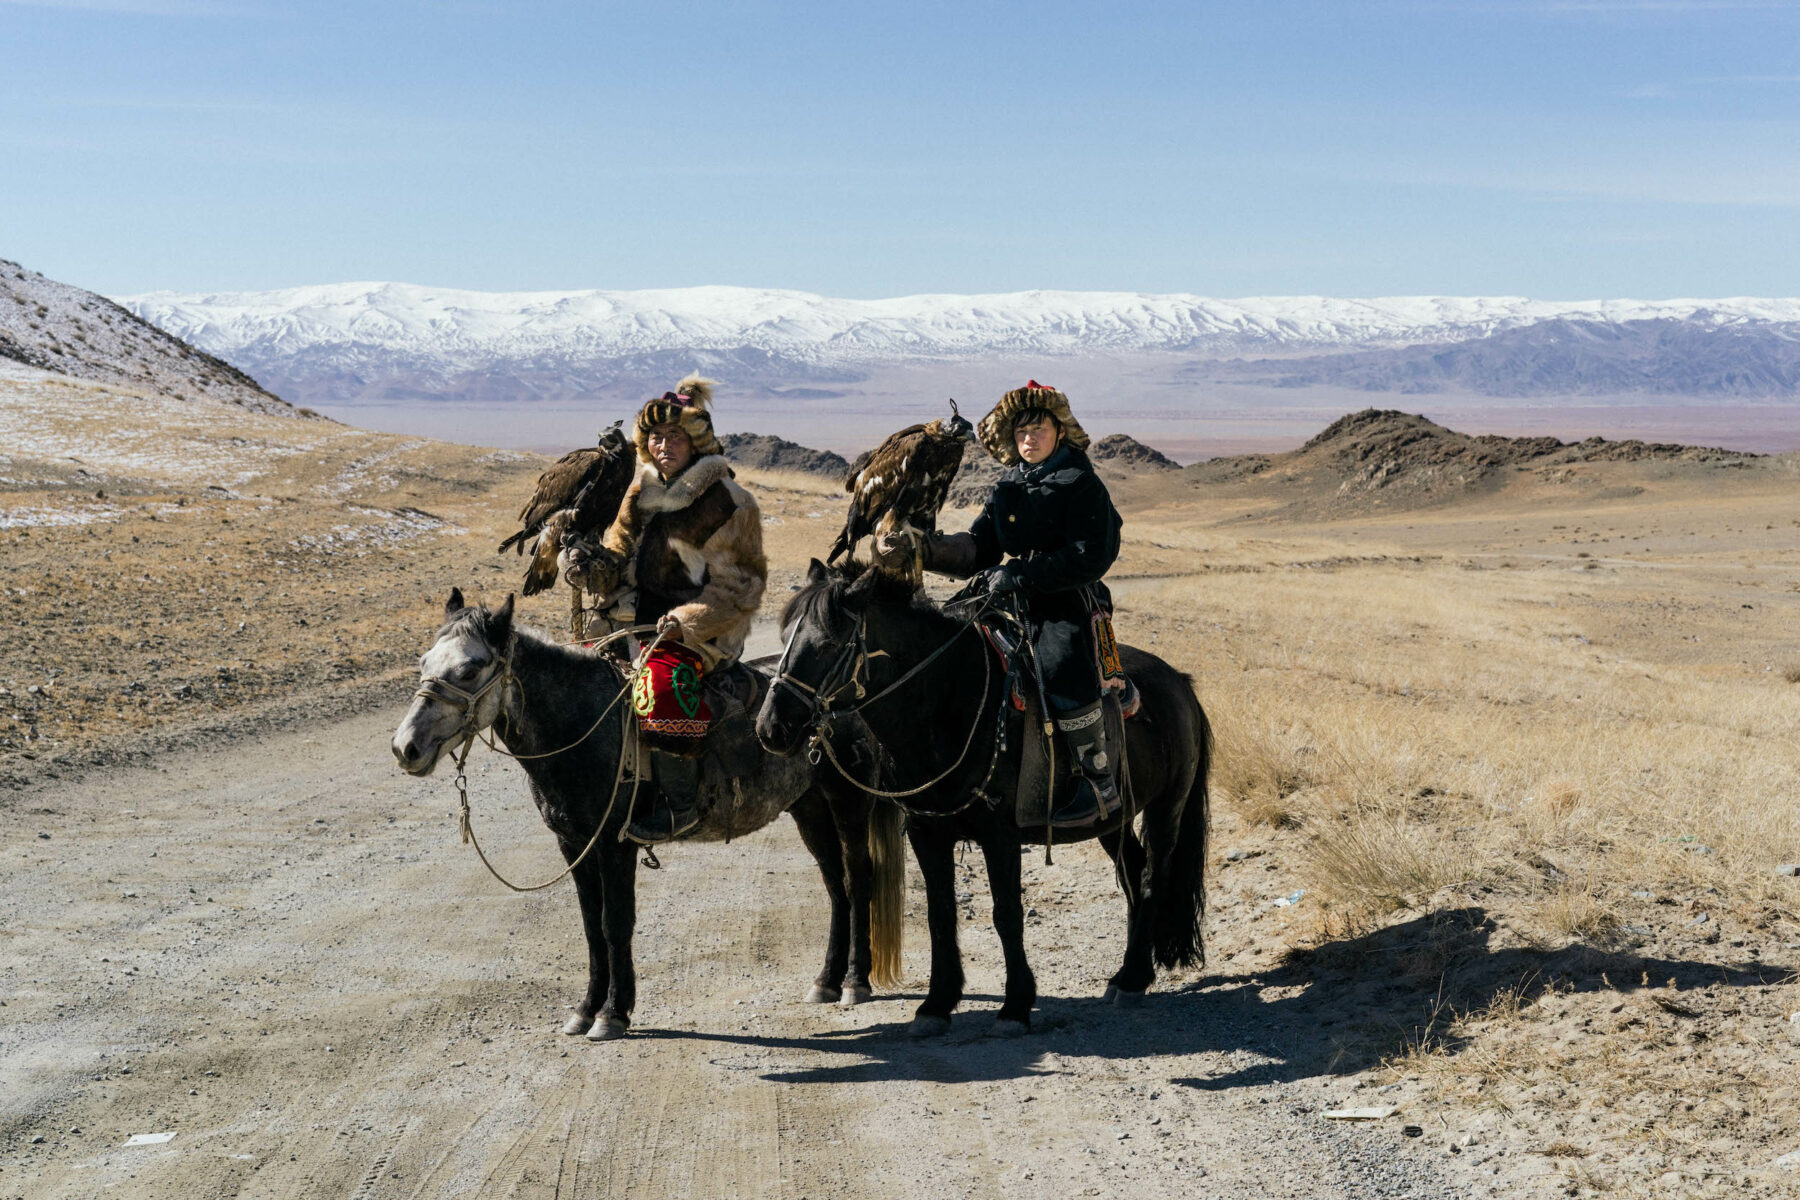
856,656
429,688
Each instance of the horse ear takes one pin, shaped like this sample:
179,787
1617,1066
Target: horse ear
501,621
453,605
856,596
815,572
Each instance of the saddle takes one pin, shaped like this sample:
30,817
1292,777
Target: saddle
1047,776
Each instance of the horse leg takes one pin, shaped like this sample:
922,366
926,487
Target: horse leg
619,918
1000,847
1112,842
1133,978
850,817
820,835
933,844
587,891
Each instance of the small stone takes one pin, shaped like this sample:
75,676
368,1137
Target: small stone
1788,869
1787,1162
1702,919
45,836
1644,895
1236,855
38,1140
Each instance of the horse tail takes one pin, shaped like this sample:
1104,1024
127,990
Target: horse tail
1177,930
887,894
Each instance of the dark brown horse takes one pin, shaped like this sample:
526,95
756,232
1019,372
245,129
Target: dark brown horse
925,685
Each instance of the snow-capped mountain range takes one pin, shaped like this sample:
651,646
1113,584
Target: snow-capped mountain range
357,342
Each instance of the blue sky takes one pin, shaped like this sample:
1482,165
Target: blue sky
1553,148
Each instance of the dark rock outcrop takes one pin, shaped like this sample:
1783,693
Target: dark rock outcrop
767,452
1123,450
1385,458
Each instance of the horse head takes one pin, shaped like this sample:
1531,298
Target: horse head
828,665
820,626
461,683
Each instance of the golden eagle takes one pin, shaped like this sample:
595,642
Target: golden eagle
578,495
897,488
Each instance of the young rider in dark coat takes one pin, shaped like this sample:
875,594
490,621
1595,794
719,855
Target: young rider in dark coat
1049,532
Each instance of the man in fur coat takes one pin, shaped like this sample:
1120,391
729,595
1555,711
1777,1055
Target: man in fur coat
1052,521
692,538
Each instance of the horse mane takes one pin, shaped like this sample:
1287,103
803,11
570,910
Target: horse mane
824,598
478,619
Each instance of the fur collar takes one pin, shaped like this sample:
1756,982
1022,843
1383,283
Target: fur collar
655,496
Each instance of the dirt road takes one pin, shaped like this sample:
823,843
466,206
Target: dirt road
279,952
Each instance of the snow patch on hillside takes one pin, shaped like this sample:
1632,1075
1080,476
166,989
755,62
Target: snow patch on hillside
460,329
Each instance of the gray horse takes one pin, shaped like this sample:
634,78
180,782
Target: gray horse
549,700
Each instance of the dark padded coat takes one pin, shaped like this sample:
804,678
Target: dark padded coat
1058,520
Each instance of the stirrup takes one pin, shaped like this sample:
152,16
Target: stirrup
663,823
1085,807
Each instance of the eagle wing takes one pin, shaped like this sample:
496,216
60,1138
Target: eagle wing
586,487
873,481
541,574
556,490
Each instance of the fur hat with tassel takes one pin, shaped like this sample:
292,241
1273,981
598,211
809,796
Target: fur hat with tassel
687,407
996,429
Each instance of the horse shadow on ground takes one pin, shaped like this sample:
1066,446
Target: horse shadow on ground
1336,1009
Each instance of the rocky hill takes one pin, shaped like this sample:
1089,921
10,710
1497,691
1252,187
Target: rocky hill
768,452
1123,450
59,328
1385,458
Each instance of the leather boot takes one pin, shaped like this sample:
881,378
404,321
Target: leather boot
1096,795
676,809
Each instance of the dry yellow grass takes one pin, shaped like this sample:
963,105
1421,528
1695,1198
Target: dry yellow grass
1529,764
1512,766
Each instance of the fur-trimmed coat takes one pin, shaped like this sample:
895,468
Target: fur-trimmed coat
696,542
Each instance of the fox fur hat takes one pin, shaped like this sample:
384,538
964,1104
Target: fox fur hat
687,407
996,429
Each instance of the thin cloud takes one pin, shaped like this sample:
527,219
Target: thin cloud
142,8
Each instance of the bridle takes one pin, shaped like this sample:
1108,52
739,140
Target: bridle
849,672
436,687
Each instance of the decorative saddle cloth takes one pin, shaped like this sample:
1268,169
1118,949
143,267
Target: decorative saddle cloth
671,706
1115,684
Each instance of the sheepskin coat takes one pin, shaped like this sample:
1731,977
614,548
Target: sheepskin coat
696,543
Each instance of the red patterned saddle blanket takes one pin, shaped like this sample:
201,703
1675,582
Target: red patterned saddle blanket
670,704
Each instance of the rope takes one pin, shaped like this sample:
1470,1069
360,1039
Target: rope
988,676
466,826
630,682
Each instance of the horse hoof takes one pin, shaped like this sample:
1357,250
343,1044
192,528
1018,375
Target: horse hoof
577,1024
1120,998
1004,1028
928,1027
820,994
856,995
606,1029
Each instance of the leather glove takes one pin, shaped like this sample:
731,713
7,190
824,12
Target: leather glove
1003,580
